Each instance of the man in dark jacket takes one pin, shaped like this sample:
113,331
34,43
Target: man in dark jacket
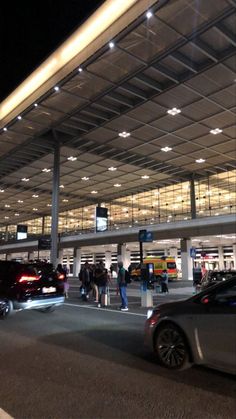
101,279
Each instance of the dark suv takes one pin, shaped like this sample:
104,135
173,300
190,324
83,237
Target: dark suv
29,286
214,277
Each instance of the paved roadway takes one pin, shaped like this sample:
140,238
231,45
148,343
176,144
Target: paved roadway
89,363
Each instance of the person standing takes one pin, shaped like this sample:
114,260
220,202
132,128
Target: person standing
122,287
164,281
101,277
63,271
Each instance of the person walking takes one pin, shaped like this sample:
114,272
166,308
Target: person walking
122,287
85,276
164,282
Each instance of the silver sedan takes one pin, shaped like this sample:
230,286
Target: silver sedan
200,330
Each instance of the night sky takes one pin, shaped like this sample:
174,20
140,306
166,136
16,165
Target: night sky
31,30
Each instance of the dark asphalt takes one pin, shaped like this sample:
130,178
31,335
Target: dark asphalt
83,362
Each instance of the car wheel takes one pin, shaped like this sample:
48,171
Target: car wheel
6,309
171,347
49,309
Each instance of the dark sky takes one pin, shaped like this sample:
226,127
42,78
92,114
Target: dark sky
32,30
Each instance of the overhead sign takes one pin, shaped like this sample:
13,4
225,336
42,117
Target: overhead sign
44,243
21,232
145,236
101,219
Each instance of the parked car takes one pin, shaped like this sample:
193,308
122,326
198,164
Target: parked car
199,330
213,277
29,286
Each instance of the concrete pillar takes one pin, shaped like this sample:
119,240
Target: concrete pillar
221,257
68,262
173,251
30,255
186,260
166,253
192,198
55,203
6,234
8,256
76,262
234,255
123,255
107,259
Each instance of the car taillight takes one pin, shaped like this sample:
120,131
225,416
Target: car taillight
28,278
153,319
61,276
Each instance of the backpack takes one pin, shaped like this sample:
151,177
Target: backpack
127,277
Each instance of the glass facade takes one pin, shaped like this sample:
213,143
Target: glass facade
215,195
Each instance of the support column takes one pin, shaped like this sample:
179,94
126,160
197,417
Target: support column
68,262
55,203
76,262
123,255
193,199
186,260
234,255
43,225
8,256
6,236
107,259
30,255
221,258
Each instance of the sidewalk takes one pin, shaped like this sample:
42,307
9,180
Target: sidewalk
177,291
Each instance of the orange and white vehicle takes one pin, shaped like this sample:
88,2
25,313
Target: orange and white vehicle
159,263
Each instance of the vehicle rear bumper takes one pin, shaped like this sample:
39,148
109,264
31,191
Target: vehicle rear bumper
40,303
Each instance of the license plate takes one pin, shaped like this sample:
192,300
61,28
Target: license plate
48,290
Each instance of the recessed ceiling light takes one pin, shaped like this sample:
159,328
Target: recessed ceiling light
94,192
111,45
149,14
85,178
117,185
200,161
72,158
45,170
56,88
2,190
80,69
35,209
17,214
61,186
166,149
35,105
65,200
19,117
124,134
5,129
145,177
216,131
173,111
35,195
6,218
112,169
20,201
7,206
49,205
25,179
